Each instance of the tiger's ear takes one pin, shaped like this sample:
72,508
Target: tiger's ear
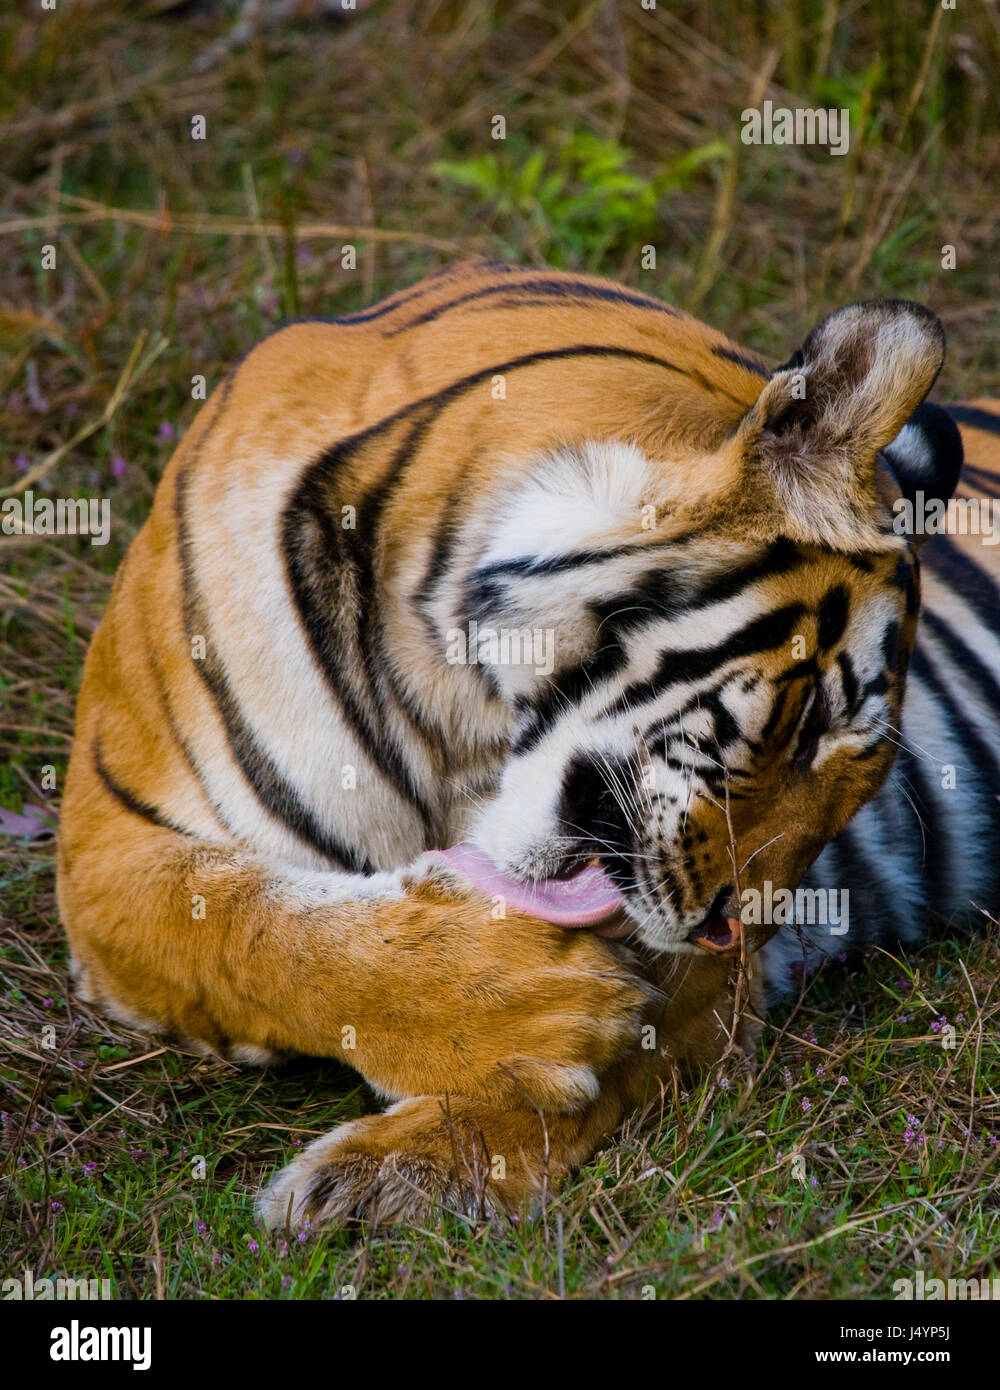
812,436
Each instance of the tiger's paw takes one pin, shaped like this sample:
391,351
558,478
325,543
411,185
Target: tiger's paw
526,1012
424,1153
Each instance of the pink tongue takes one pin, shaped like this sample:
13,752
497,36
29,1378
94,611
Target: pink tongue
584,900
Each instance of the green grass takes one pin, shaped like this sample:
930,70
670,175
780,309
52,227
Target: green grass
110,1133
175,256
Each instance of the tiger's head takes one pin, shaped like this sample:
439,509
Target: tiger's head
730,627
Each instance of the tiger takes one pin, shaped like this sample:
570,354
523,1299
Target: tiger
318,805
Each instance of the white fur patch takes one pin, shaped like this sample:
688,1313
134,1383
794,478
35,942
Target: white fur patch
575,498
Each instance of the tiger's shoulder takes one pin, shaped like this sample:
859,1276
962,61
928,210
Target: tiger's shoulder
480,323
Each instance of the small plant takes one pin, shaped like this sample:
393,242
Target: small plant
580,203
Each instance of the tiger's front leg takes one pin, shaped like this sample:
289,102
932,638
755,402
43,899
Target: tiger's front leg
488,1162
404,976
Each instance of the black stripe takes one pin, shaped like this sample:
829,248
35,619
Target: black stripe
654,595
557,289
421,289
178,735
867,884
426,592
849,681
275,793
528,566
128,799
780,557
358,553
975,417
806,669
309,510
979,477
749,364
981,755
543,712
778,706
934,852
515,302
971,665
677,666
321,559
445,536
833,611
970,581
835,874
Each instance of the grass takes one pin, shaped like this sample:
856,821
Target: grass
173,257
863,1149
